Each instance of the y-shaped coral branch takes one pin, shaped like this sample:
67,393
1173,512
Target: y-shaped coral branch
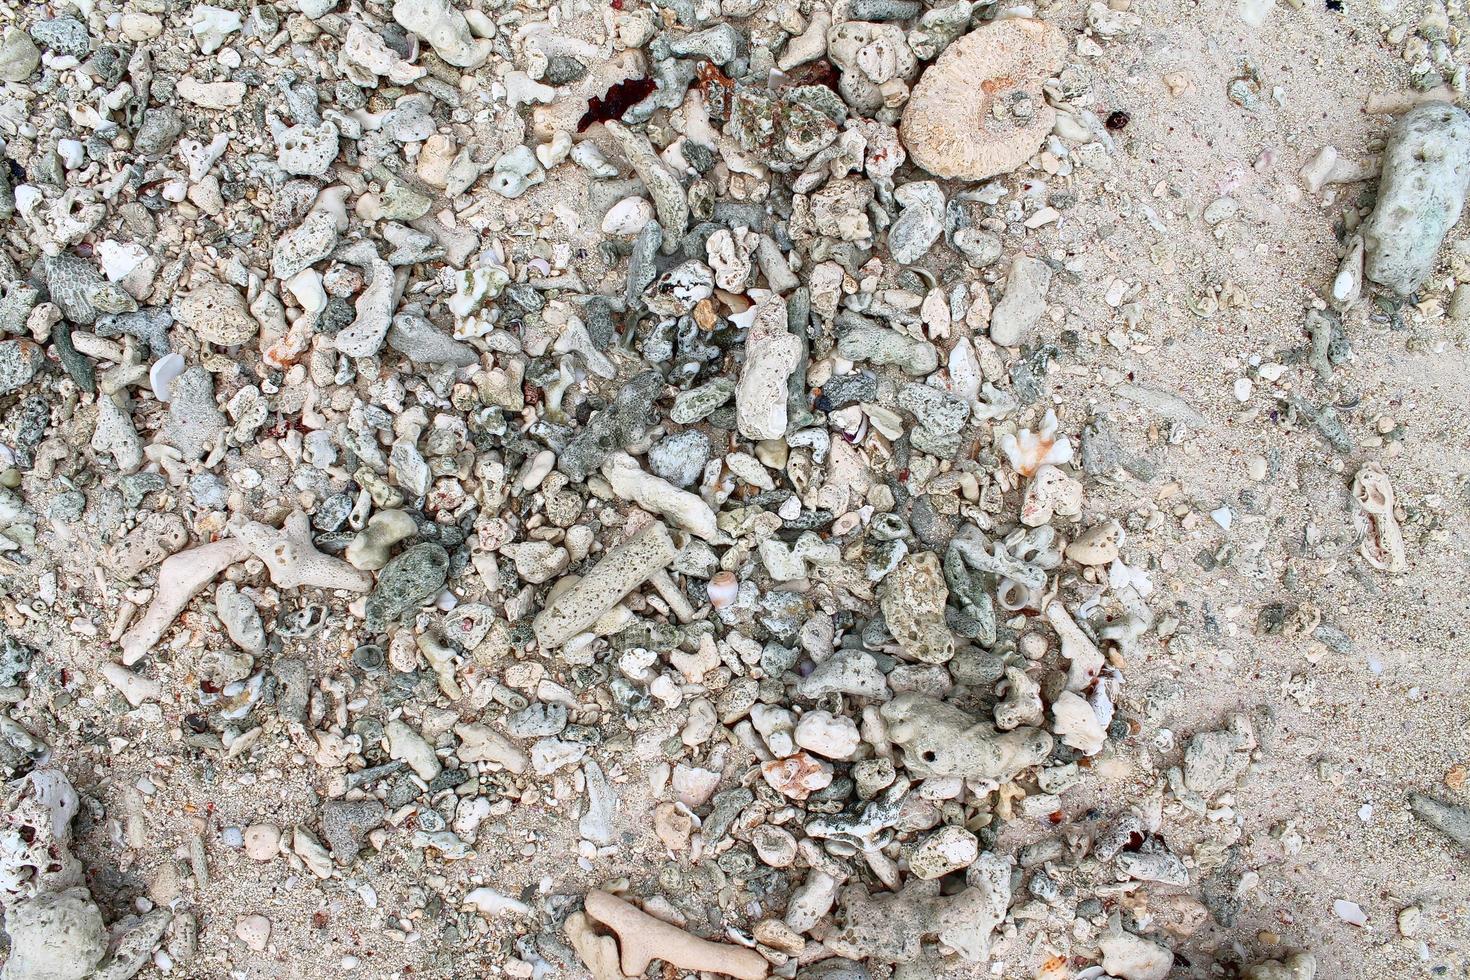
643,939
292,559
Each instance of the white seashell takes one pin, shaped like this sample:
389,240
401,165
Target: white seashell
162,374
306,286
723,589
119,259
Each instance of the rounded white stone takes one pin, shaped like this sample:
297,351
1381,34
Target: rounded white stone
627,217
826,734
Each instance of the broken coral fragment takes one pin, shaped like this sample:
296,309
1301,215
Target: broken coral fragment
620,571
293,560
1383,545
940,740
643,939
180,578
1029,451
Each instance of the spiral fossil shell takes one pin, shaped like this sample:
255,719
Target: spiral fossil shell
949,126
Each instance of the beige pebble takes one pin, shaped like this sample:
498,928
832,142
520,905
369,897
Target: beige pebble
262,841
1098,545
254,931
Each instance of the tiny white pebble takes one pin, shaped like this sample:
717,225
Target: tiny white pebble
1350,912
1243,389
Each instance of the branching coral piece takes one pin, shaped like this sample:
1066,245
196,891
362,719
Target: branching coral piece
1029,451
599,953
939,739
643,939
890,927
1084,659
293,560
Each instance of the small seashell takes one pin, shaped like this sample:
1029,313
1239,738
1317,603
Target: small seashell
723,588
951,126
162,374
1350,912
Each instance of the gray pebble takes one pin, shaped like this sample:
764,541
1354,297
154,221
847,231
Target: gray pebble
1426,167
1020,309
294,687
936,410
1450,820
919,224
641,267
19,56
863,340
345,825
76,364
17,299
884,10
160,128
611,429
563,69
720,44
195,422
140,936
848,389
836,968
134,487
406,583
64,35
539,719
420,341
19,362
680,458
149,324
